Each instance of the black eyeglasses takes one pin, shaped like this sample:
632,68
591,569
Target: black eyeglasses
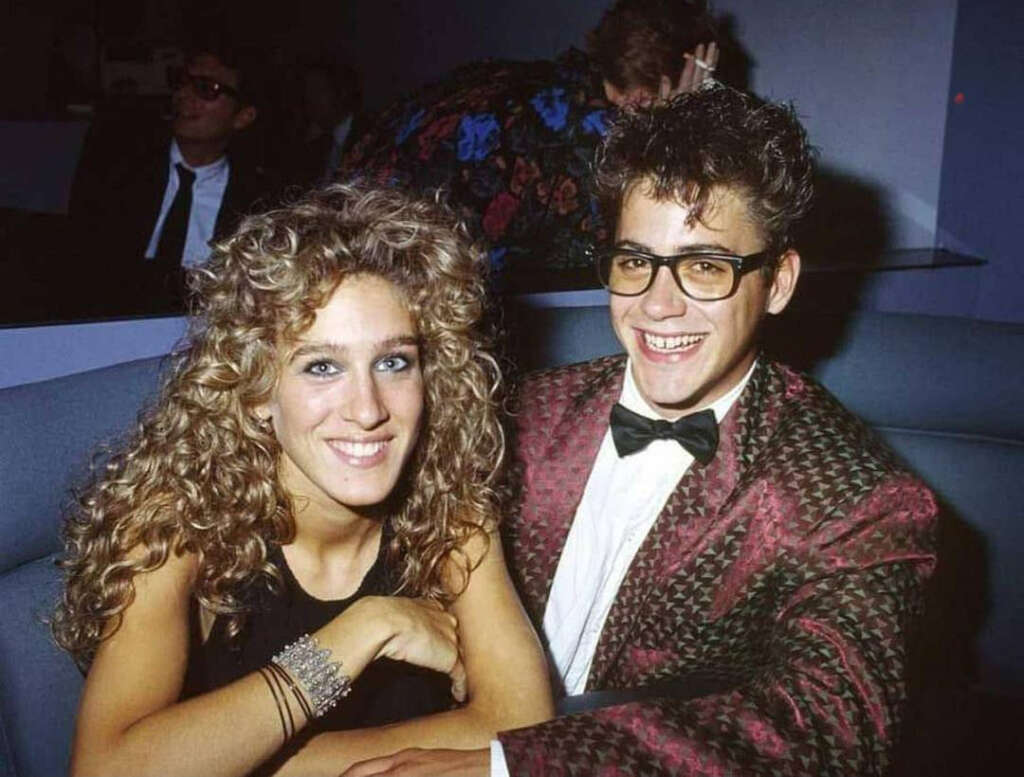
701,275
206,88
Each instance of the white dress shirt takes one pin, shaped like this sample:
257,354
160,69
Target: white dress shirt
207,194
622,500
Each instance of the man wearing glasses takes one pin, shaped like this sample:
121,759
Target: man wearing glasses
159,208
209,108
710,542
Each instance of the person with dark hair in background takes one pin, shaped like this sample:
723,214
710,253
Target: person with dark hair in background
511,143
704,534
328,97
154,209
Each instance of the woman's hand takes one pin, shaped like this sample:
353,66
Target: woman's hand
417,631
699,67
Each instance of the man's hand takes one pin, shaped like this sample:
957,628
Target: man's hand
417,762
699,67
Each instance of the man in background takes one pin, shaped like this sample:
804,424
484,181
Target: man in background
153,209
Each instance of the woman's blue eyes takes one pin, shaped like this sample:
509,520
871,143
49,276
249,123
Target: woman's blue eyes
322,368
393,363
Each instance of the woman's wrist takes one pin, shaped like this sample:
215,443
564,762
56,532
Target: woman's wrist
357,636
313,674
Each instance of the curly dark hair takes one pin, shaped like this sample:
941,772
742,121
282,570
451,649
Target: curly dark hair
638,41
200,473
714,137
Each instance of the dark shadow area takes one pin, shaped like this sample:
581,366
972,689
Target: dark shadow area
735,64
52,277
847,229
59,270
952,728
847,225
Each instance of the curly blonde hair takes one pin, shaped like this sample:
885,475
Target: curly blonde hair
199,473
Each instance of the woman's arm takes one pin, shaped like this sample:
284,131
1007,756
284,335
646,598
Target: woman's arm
130,720
507,675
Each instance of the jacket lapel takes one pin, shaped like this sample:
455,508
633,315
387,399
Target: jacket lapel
686,525
558,461
228,215
142,194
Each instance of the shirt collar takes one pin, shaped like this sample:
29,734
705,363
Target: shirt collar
202,172
632,400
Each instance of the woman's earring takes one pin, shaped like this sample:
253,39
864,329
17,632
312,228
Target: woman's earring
265,424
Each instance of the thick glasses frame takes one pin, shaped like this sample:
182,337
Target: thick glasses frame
206,88
741,265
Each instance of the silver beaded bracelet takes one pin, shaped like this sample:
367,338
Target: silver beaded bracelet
320,678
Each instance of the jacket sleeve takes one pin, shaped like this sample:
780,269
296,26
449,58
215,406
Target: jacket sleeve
827,696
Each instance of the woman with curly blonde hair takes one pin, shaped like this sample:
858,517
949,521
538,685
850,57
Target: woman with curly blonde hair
298,542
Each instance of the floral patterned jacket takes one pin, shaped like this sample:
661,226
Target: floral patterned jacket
512,144
791,567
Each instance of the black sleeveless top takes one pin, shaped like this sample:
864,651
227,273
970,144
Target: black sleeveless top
387,691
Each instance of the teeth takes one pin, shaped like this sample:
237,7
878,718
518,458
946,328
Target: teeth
659,343
358,449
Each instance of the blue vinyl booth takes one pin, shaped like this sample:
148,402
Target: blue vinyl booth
945,392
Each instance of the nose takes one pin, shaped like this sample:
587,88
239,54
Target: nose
365,404
664,299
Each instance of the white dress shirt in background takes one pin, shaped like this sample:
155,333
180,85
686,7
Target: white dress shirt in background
207,194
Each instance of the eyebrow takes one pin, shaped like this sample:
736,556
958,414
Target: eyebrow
694,248
321,346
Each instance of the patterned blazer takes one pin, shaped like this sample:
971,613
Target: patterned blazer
790,567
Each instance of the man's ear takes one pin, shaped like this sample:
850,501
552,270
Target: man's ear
244,118
784,283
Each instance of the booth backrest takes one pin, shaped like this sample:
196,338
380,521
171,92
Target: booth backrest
945,392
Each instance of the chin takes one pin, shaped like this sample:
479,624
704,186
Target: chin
365,498
670,396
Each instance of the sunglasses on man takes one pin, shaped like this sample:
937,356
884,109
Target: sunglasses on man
205,88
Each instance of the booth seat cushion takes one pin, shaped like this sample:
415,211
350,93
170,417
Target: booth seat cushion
50,430
39,683
939,372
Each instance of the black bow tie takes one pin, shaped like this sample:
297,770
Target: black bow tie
697,433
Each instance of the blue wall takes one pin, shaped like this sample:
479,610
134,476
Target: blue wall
981,207
28,354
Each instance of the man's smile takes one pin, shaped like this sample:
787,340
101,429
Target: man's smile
670,343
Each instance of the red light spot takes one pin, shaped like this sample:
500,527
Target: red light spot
959,98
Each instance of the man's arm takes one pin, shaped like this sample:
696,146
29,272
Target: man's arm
829,695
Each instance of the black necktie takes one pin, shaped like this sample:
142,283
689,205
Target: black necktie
697,433
171,245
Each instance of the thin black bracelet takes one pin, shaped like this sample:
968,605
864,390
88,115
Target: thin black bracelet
277,701
287,706
303,703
